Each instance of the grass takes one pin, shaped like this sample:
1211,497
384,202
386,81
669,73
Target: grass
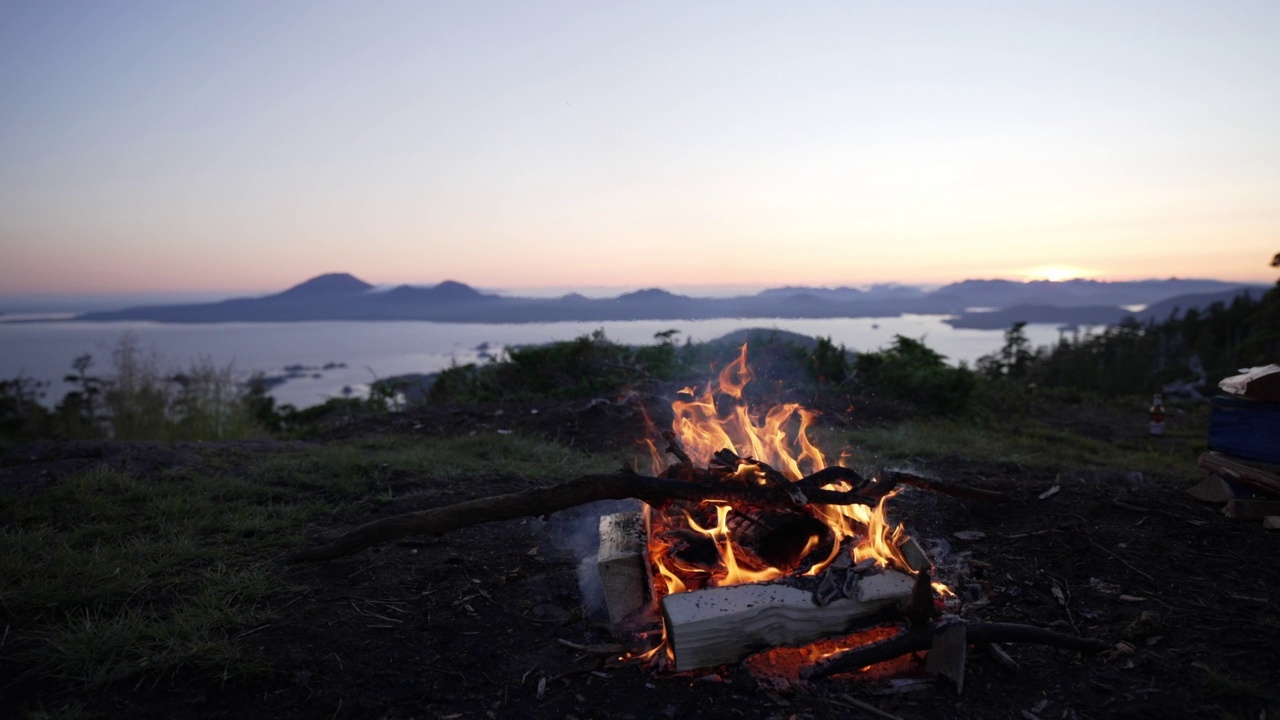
109,579
1025,444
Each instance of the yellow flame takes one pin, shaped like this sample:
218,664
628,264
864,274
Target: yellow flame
734,572
780,439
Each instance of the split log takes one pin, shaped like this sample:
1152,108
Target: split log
1216,490
722,625
544,501
949,652
919,609
623,565
915,555
921,638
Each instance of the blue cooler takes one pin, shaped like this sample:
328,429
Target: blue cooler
1245,428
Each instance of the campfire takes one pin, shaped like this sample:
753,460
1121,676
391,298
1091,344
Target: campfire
728,578
751,547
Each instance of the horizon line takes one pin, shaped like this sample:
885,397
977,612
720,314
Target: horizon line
746,288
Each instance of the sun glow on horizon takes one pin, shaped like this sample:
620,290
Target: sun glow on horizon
1058,273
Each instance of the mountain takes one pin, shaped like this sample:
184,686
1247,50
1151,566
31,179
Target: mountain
340,296
840,293
333,296
327,285
449,291
651,295
1095,314
1165,308
961,296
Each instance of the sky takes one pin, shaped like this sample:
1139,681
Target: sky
244,146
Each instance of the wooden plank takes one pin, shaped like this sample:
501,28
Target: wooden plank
621,562
723,625
1258,477
949,652
915,555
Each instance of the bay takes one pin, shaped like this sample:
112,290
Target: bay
358,353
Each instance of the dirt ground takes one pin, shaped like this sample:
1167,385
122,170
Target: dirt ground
486,622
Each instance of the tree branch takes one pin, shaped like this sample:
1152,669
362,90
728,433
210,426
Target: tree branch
546,500
921,638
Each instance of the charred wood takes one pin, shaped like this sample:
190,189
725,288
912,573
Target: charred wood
976,633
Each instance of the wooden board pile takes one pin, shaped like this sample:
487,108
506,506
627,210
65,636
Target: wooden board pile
1246,489
1244,442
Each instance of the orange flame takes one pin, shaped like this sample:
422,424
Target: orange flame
734,573
719,419
703,430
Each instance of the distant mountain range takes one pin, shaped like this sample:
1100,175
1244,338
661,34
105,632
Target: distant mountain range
971,303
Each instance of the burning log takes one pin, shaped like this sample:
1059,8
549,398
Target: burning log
722,625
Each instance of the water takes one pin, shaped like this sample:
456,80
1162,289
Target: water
372,350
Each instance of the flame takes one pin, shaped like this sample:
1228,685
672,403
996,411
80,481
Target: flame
704,430
719,419
710,543
734,573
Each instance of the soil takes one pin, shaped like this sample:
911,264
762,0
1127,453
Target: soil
488,621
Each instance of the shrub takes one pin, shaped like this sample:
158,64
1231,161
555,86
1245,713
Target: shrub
586,366
910,371
140,400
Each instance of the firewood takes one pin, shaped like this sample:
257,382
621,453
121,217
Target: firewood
919,608
547,500
622,564
949,652
921,638
914,554
1215,489
722,625
1261,479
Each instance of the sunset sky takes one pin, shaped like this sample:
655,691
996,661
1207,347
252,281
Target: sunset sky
245,146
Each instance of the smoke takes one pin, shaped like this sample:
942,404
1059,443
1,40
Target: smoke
575,533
